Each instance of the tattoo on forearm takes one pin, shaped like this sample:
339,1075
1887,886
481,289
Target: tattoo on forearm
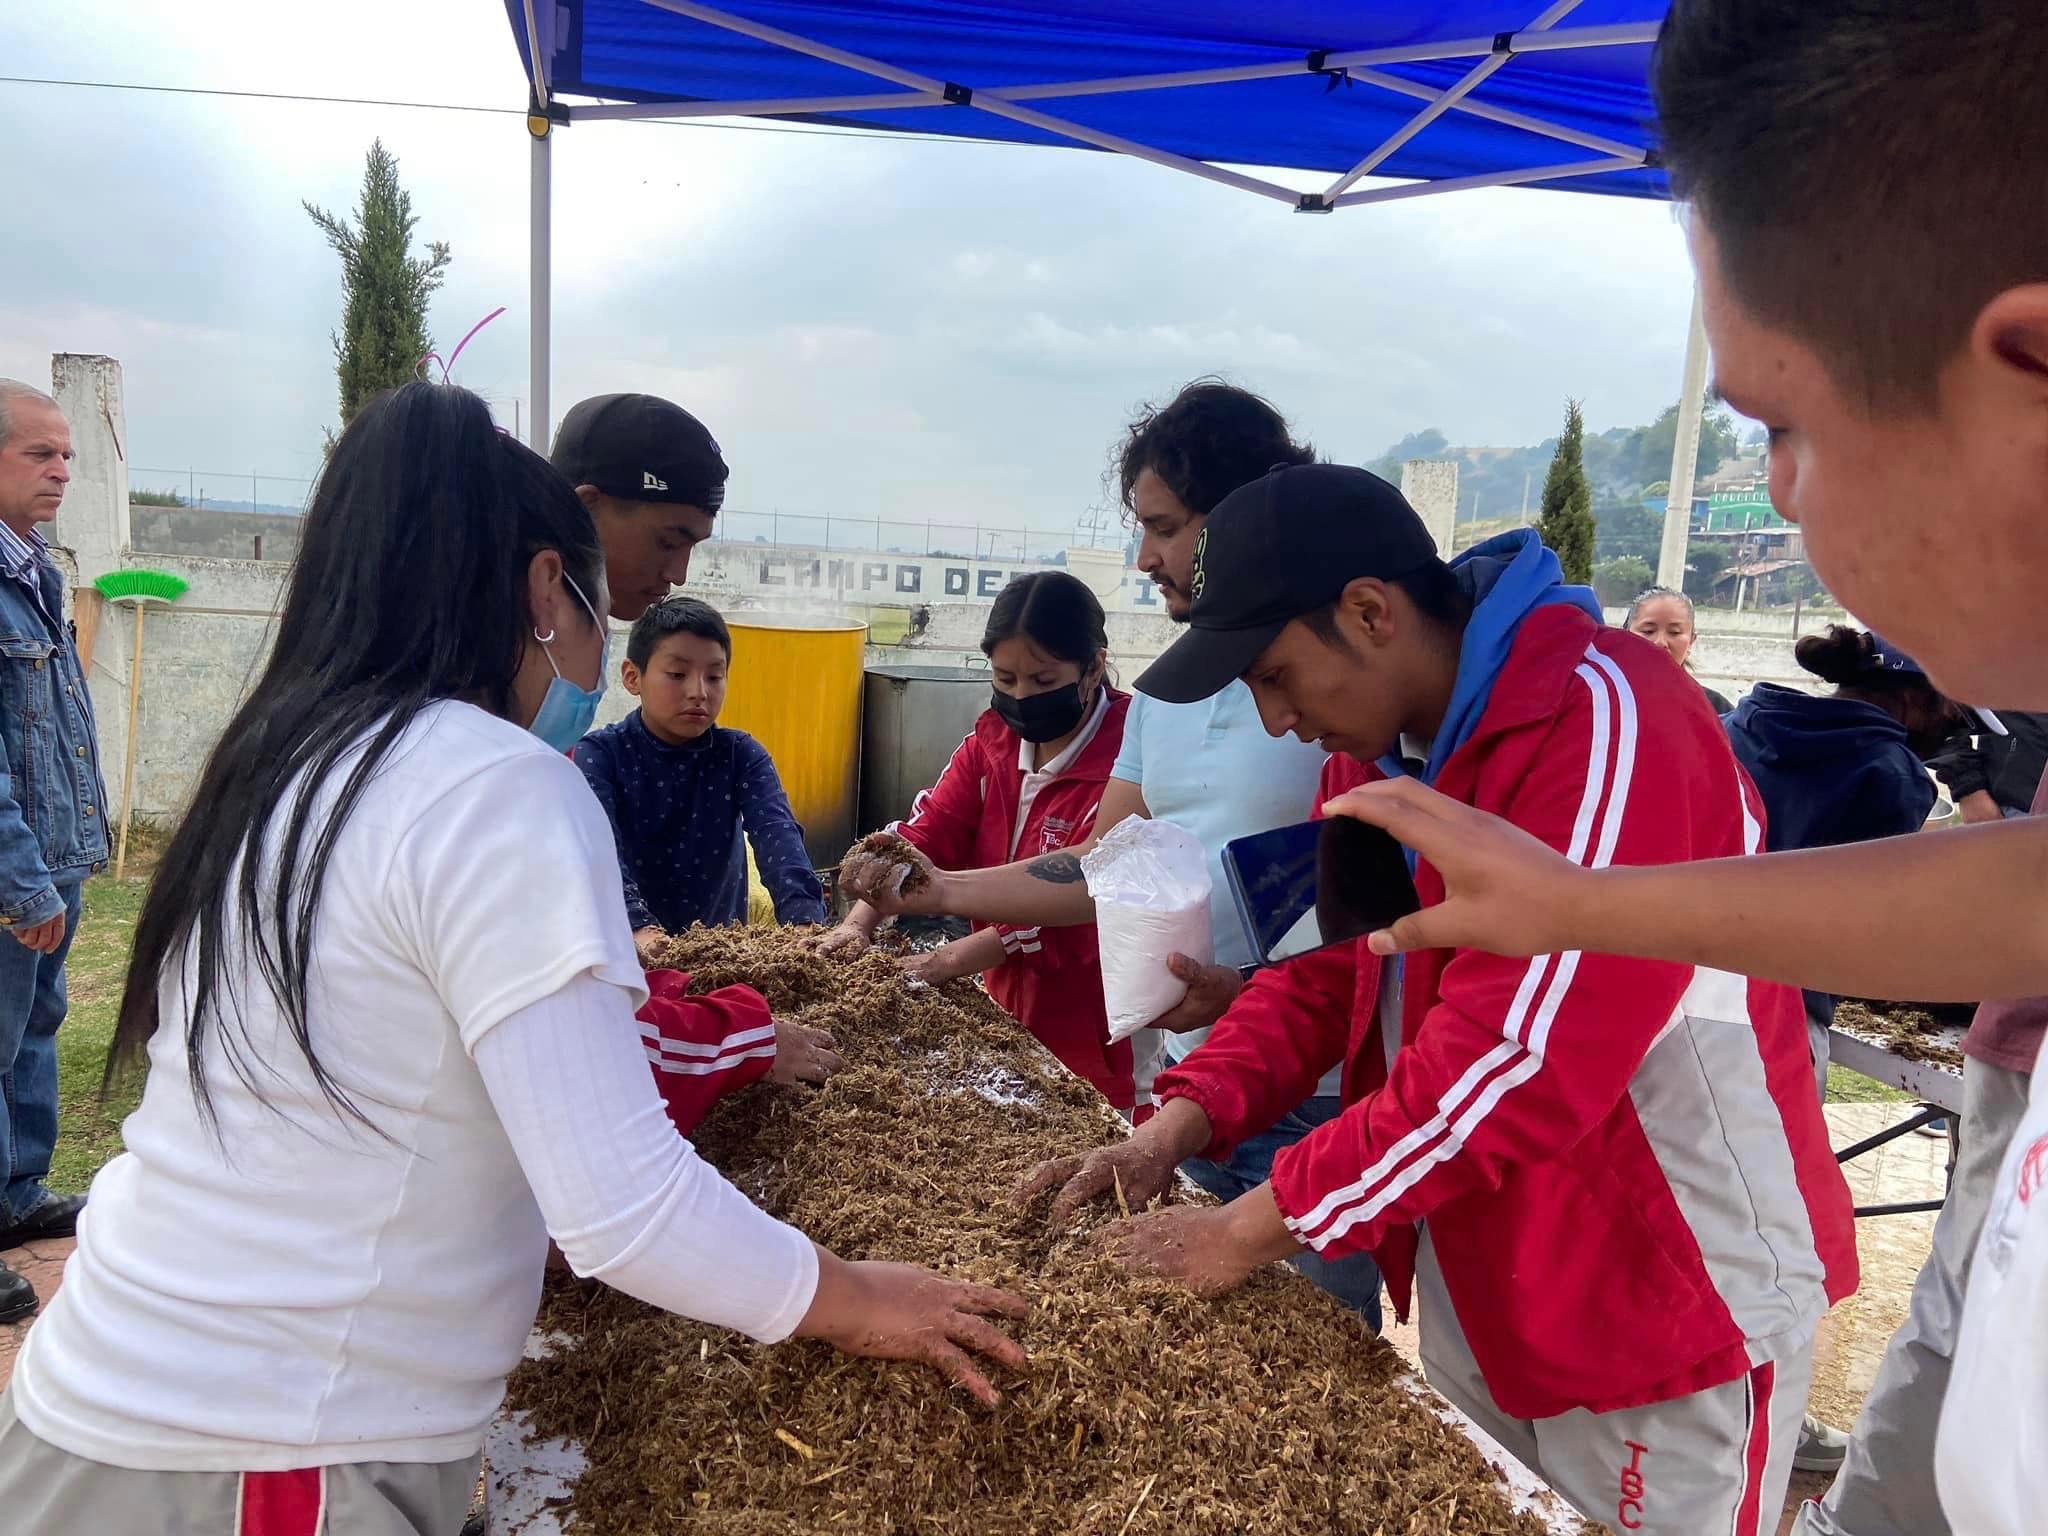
1056,869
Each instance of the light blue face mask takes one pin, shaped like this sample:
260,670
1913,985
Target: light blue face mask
567,711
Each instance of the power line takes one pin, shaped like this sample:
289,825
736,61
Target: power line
455,106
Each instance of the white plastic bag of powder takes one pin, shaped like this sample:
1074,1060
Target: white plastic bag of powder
1150,882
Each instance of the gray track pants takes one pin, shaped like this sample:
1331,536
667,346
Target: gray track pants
1717,1461
48,1492
1886,1486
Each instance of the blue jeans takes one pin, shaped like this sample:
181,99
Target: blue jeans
31,1007
1354,1279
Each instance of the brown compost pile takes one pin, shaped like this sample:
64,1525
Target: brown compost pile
1145,1409
1907,1029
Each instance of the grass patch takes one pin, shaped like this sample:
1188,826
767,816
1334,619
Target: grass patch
89,1130
1846,1087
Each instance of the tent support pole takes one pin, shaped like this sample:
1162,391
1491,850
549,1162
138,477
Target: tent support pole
1473,78
540,277
993,104
1685,450
1521,178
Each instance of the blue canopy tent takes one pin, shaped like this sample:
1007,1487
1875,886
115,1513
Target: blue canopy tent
1444,96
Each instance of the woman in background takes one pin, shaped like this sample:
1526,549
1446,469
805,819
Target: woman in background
1665,619
1845,767
1025,782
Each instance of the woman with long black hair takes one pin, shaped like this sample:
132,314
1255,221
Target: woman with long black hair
385,984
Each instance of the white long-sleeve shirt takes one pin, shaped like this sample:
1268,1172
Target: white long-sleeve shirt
301,1290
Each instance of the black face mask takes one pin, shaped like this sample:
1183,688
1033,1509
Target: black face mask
1042,716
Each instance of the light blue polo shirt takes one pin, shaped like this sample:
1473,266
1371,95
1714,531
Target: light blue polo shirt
1212,769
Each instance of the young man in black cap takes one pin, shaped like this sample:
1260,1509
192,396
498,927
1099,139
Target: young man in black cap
653,479
1609,1179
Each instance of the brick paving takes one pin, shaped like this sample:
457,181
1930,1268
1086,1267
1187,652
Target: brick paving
43,1265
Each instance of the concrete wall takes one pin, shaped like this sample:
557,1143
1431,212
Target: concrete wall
213,534
1431,487
200,656
806,578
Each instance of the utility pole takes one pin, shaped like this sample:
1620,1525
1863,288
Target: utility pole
1685,452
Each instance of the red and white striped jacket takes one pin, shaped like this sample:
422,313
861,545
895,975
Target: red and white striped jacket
1050,979
702,1048
1622,1163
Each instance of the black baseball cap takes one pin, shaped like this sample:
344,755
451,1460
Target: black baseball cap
1285,545
641,448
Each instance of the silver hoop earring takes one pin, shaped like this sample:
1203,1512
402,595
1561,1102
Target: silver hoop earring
544,639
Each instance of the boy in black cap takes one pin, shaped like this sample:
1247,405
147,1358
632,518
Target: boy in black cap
1609,1179
653,479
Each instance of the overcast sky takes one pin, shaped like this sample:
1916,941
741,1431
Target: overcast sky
898,327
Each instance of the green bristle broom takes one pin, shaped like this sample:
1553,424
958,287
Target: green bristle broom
138,589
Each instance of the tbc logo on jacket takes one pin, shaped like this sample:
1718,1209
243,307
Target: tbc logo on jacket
1055,832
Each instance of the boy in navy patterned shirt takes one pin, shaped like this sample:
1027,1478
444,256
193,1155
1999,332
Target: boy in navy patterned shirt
680,788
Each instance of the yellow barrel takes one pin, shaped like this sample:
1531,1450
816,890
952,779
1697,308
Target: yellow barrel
795,687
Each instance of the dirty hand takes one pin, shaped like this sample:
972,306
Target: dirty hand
1504,891
43,938
879,880
1141,1166
1187,1243
1210,991
932,967
648,944
901,1312
803,1055
848,941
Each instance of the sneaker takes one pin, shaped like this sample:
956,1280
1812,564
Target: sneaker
17,1296
1935,1127
1821,1447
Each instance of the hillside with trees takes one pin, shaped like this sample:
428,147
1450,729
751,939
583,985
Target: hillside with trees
1619,464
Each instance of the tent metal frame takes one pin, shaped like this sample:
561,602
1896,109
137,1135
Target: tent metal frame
914,90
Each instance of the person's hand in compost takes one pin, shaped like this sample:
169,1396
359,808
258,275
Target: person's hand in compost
648,944
901,1312
850,939
1132,1172
962,957
1211,989
803,1055
879,880
1211,1250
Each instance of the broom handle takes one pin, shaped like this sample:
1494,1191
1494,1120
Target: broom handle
128,767
86,608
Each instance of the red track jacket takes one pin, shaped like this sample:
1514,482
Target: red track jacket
1623,1166
1050,980
702,1048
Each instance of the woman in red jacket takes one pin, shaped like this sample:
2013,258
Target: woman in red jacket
1025,782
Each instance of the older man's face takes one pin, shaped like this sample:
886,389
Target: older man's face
35,464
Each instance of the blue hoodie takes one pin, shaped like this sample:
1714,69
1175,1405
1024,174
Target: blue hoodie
1508,577
1830,770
